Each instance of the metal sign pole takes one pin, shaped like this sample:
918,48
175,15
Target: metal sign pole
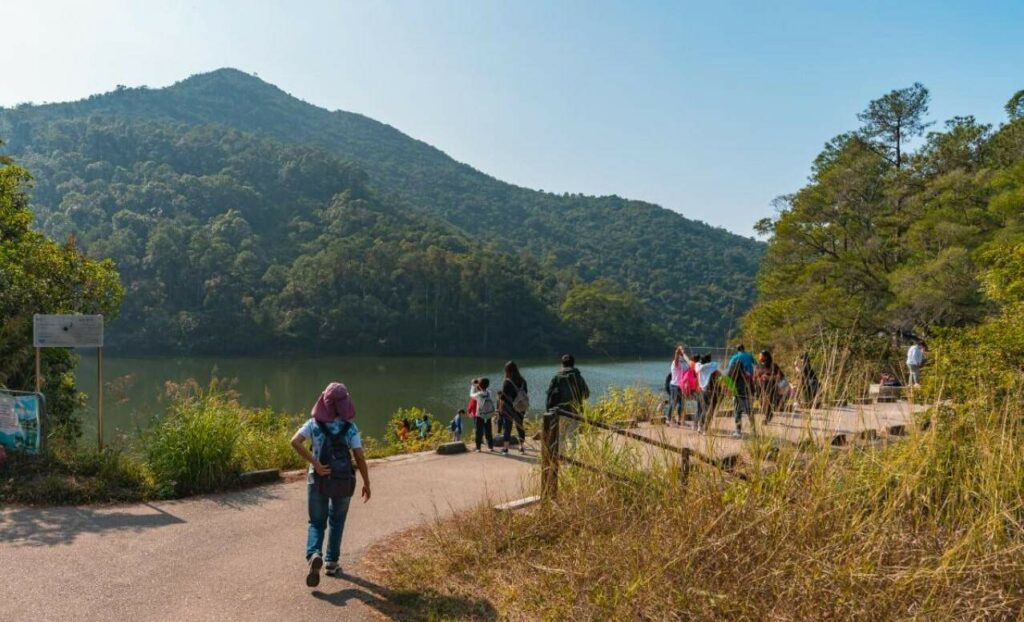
39,372
99,395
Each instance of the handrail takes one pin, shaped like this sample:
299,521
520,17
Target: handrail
561,412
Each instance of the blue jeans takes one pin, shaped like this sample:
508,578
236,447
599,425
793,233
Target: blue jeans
675,401
323,511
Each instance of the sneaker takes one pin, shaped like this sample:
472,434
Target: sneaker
522,448
477,450
315,564
332,569
493,450
505,451
737,434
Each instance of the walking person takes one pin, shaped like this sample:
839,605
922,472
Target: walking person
331,479
514,403
480,393
740,385
770,382
568,391
809,385
707,381
915,358
675,393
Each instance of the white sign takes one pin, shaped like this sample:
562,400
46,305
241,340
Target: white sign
67,331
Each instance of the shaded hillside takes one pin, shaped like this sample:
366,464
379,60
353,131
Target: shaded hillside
693,279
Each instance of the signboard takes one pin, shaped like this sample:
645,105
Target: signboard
19,421
67,331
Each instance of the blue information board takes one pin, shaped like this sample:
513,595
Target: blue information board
19,421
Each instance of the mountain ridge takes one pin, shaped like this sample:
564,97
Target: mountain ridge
687,274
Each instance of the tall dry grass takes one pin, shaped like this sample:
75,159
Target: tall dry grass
927,528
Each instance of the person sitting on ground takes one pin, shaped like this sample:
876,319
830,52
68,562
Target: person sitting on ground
568,391
404,429
331,479
772,386
481,394
513,404
456,425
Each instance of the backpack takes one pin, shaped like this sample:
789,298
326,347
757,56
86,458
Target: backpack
688,383
521,403
335,453
486,406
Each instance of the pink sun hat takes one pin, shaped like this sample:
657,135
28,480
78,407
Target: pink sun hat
334,403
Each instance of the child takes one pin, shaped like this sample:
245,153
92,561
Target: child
331,478
456,425
404,429
485,410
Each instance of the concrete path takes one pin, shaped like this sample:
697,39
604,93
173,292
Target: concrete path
232,556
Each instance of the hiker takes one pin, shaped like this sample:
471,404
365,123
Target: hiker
567,391
456,425
404,429
331,480
675,393
915,358
514,403
689,386
707,381
744,358
809,385
772,386
424,425
485,410
740,385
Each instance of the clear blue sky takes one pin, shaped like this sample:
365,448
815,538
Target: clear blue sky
708,108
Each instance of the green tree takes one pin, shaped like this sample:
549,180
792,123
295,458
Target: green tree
895,118
38,275
610,319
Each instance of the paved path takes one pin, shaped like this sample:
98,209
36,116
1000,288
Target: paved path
233,556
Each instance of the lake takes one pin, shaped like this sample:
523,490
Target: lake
379,385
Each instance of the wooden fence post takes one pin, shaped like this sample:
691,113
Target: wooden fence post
549,455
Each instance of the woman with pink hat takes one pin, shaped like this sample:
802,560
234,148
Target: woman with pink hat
331,481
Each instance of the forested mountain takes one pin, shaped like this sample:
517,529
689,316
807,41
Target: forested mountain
892,240
244,219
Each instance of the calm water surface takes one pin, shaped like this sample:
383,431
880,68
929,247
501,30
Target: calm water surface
379,385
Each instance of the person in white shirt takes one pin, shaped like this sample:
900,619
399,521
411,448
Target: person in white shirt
915,358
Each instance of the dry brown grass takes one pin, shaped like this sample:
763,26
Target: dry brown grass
929,528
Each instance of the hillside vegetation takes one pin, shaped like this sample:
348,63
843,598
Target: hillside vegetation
244,219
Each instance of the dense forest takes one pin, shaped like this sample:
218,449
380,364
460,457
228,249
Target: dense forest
902,231
245,220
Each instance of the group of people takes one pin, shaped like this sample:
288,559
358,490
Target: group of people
511,403
701,379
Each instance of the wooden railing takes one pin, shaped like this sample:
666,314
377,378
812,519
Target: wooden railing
551,455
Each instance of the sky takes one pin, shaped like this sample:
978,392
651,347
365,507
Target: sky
711,109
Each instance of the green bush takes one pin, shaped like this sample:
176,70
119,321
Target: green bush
66,475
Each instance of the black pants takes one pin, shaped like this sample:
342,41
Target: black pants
505,427
483,429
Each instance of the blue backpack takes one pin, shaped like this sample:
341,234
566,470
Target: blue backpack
336,454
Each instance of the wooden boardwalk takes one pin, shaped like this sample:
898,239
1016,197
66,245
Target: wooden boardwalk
837,426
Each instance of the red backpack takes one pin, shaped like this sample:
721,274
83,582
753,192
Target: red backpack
688,382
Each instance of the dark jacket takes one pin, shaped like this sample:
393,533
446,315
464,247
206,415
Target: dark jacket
508,394
567,390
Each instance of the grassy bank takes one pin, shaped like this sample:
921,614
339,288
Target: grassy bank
929,528
202,443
